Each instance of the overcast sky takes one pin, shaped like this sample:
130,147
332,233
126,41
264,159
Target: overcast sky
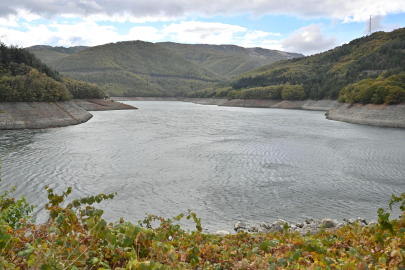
301,26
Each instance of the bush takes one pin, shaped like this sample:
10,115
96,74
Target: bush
293,92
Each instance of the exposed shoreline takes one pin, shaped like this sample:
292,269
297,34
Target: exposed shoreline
38,115
313,105
370,114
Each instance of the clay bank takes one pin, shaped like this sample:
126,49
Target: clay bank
37,115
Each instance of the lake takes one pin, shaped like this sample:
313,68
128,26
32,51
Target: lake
223,163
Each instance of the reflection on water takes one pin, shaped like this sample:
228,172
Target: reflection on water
225,164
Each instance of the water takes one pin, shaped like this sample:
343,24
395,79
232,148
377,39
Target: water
226,164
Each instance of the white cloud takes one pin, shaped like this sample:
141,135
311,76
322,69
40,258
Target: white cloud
144,33
308,40
84,33
347,10
203,32
254,35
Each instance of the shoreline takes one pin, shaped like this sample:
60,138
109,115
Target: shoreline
40,115
312,105
380,115
311,226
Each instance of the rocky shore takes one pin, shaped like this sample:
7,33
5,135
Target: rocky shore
370,114
311,226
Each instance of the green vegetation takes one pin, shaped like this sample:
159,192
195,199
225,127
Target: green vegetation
23,77
135,68
30,86
77,237
139,68
385,89
324,75
227,60
9,56
81,89
48,54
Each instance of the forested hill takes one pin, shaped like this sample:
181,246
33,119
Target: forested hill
23,77
323,75
228,60
136,68
48,54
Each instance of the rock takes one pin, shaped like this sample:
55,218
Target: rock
309,220
350,220
362,220
328,223
240,230
278,225
304,231
239,225
263,230
254,228
299,225
373,222
312,221
339,225
222,232
265,226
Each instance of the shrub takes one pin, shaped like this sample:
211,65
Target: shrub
293,92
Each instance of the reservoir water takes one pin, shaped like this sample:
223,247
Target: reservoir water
225,164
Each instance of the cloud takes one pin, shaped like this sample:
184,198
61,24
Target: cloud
308,40
348,10
144,33
83,33
202,32
255,35
376,25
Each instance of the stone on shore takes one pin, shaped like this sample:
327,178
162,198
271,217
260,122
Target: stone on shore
222,232
239,225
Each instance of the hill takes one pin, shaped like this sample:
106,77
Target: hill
322,75
23,77
228,60
48,54
136,68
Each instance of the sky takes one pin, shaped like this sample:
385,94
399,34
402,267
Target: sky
301,26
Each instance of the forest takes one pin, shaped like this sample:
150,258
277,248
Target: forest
23,77
322,75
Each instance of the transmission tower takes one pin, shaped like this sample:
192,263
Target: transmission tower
369,27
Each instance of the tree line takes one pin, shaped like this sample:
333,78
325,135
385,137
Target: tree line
23,77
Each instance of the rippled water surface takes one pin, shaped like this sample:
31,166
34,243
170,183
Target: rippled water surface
225,164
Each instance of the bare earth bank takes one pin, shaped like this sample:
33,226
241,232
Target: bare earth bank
314,105
370,114
37,115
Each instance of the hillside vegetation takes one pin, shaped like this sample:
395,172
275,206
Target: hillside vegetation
228,60
48,54
23,77
323,75
136,68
